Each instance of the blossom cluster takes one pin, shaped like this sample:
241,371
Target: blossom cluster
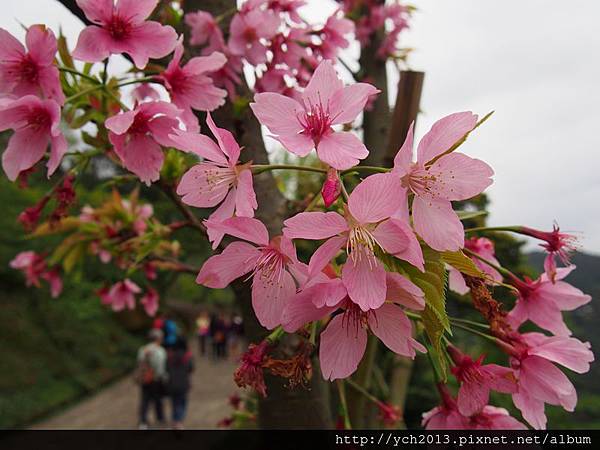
271,36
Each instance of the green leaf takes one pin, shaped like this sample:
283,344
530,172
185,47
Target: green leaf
464,215
433,284
63,52
462,263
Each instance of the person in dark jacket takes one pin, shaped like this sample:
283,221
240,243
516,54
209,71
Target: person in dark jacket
179,367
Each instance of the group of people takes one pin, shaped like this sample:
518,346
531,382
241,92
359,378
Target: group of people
222,332
164,366
165,363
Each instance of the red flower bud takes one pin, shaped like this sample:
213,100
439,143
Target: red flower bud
332,187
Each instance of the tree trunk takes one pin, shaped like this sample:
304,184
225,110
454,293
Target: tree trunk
283,407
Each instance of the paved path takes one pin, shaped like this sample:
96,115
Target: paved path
116,406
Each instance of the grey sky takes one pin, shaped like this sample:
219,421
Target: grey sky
535,62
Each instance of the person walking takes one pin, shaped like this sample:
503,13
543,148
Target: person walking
179,367
203,329
151,375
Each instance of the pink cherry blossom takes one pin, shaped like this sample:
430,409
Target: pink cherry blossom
34,267
228,76
333,35
365,228
30,71
270,263
557,244
300,127
204,28
123,28
289,7
144,91
138,134
448,417
484,248
190,87
248,31
219,179
344,340
540,381
121,295
476,381
36,124
541,301
439,177
150,302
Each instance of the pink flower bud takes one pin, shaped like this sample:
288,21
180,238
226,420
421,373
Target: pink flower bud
332,187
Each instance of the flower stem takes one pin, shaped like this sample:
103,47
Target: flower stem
502,270
366,168
362,390
313,333
514,229
139,80
260,168
275,335
342,393
78,73
476,332
84,92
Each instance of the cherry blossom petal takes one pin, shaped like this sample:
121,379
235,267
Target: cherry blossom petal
437,224
531,408
314,225
472,397
341,150
444,134
245,199
299,144
139,154
563,295
98,11
92,45
199,144
236,260
397,238
301,310
323,84
347,103
198,189
226,141
341,349
375,199
41,44
459,177
324,254
270,297
543,380
150,40
365,281
456,282
58,148
224,211
135,10
25,148
247,228
390,324
403,158
401,290
278,113
569,352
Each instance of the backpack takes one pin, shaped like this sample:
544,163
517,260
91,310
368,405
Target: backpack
144,373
